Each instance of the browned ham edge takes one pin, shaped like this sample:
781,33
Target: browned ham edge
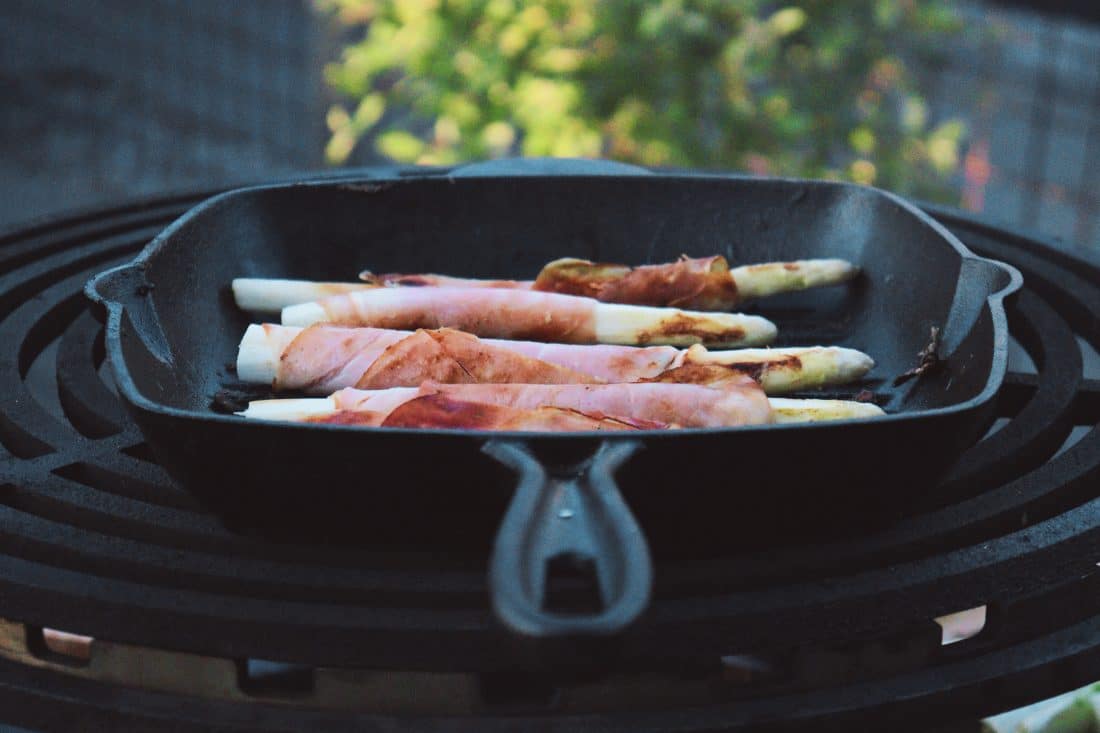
443,411
702,283
717,374
736,401
454,357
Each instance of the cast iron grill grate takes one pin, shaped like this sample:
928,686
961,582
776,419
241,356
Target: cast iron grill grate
94,539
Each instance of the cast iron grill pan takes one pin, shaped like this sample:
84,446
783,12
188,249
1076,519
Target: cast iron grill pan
172,329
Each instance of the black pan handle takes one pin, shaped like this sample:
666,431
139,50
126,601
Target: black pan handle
126,289
576,517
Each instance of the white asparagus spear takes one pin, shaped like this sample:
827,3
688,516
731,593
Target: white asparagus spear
532,315
791,369
292,410
771,278
271,295
259,352
785,410
790,410
781,370
637,325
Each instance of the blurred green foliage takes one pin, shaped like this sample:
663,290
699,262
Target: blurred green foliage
817,89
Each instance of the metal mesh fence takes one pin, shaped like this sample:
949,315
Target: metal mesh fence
101,99
106,98
1028,87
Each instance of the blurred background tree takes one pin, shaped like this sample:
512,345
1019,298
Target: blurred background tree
819,89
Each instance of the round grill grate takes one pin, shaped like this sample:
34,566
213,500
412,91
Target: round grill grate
94,539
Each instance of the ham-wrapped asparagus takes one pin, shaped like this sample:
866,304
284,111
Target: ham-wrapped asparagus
443,411
702,284
739,401
529,315
321,359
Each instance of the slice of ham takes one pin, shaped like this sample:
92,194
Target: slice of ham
696,283
530,315
501,313
321,359
443,411
605,362
702,283
357,407
454,357
431,406
738,401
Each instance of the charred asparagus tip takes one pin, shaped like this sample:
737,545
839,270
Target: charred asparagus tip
639,324
791,369
798,411
771,278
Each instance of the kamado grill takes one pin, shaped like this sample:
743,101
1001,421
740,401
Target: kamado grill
199,625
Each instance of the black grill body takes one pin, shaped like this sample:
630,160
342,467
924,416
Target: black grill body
95,540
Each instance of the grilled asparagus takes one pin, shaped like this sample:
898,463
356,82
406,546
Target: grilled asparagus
324,358
697,284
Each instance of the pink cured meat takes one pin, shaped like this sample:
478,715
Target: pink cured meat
702,283
511,314
739,401
367,407
323,358
440,411
456,357
608,362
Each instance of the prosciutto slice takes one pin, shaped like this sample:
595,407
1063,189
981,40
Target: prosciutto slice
530,315
738,401
703,283
699,284
481,311
322,359
455,357
605,362
443,411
